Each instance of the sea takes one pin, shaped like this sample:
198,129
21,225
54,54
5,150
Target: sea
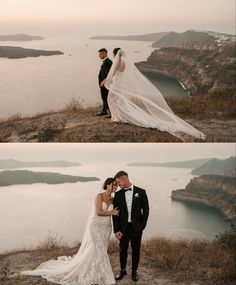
33,85
31,213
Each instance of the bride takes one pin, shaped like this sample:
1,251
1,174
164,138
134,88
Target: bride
133,99
90,265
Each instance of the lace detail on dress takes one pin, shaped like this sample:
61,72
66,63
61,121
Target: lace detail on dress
90,267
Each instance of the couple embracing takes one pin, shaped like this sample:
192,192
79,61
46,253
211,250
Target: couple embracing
129,211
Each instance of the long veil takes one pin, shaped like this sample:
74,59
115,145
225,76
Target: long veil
69,270
137,101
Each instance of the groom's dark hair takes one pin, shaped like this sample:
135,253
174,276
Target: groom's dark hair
103,50
120,174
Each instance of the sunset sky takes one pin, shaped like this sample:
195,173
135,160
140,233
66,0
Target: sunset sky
115,16
112,152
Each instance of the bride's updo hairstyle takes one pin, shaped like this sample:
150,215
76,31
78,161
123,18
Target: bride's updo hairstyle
115,51
108,181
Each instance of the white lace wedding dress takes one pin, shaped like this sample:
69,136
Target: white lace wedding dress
91,264
133,99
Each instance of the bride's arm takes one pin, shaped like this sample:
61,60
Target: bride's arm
100,211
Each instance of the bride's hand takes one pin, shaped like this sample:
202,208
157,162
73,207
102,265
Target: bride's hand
115,212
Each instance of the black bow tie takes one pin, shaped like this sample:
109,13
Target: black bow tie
128,189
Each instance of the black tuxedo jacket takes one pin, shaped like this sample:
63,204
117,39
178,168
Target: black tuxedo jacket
104,70
139,211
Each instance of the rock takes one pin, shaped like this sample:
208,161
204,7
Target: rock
201,70
214,190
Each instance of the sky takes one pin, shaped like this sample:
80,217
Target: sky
95,17
116,152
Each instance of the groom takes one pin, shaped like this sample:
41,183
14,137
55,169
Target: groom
133,206
104,70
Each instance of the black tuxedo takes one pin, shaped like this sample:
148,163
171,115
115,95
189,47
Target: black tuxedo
104,70
131,231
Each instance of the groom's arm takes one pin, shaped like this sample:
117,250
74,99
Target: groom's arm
145,207
107,67
116,222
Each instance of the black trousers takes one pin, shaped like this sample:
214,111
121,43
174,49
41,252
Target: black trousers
104,95
134,237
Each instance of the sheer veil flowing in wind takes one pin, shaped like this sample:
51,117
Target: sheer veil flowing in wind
72,270
133,99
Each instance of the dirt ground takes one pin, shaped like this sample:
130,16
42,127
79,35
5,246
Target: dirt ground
85,126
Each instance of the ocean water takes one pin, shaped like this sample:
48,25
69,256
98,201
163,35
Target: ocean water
34,85
29,213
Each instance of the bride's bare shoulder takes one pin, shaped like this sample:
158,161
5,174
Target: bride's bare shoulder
99,196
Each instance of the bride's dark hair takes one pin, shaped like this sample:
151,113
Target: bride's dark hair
108,181
115,50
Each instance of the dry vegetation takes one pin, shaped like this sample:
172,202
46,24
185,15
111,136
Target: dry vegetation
213,114
212,106
163,261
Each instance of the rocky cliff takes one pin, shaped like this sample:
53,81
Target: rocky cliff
200,70
214,190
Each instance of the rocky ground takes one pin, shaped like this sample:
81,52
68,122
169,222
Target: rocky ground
14,263
163,261
82,125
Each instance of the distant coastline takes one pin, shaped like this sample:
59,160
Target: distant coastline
12,52
20,37
12,163
20,177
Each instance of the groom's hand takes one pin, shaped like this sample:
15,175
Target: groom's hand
118,235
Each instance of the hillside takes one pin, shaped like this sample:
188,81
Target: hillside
215,117
163,262
217,166
146,37
213,190
179,164
190,38
12,163
19,52
201,71
16,177
20,37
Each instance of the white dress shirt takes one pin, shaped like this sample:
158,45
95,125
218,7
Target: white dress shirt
129,200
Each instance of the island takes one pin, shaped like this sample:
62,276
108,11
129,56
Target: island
19,52
12,163
17,177
218,191
146,37
217,166
178,164
20,37
192,38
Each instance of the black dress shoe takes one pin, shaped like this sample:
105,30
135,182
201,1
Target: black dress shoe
101,114
135,276
120,274
108,116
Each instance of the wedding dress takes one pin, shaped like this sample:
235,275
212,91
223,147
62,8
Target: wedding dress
133,99
90,265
